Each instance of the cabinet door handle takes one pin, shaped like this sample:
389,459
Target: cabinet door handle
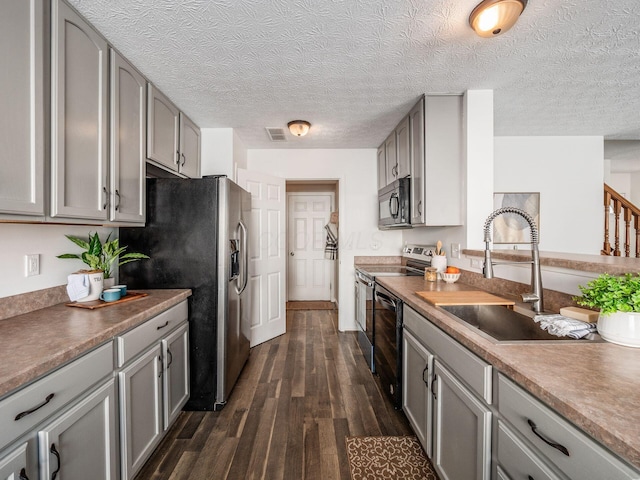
23,475
160,369
555,445
426,370
162,326
170,358
433,390
38,407
117,195
529,477
420,207
184,159
177,160
57,455
106,198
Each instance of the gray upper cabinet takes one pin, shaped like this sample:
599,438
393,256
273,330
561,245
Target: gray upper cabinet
391,157
22,99
127,142
403,140
189,147
163,119
382,167
436,161
78,117
416,152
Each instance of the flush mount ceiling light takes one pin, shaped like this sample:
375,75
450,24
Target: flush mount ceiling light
299,127
493,17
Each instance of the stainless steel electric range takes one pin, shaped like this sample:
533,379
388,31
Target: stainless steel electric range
379,316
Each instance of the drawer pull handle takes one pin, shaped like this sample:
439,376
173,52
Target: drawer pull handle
23,475
534,429
426,370
162,326
529,477
433,390
54,450
170,358
28,412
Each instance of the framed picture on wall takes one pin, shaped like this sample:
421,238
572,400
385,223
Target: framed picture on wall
510,227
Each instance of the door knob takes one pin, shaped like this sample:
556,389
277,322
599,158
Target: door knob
291,253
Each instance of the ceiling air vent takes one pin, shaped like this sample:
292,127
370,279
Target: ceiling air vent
276,134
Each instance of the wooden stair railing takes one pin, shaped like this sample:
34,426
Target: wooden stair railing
615,202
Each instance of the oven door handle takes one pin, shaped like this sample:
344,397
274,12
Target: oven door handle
360,278
388,302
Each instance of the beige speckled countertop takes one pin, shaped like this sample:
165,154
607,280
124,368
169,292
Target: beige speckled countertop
594,385
35,343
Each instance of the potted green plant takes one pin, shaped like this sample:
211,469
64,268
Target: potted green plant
102,256
618,299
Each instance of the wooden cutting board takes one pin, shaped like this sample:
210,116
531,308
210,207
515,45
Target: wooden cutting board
473,297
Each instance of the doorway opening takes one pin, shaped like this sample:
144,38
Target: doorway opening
312,268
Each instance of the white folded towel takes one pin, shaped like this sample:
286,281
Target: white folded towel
77,286
562,326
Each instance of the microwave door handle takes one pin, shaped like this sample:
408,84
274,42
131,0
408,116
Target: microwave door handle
394,196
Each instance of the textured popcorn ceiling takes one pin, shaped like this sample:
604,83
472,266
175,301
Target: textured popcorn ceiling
353,68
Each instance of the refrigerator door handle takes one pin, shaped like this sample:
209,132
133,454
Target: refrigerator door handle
245,257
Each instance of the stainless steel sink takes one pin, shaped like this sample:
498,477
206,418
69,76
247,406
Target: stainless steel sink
502,323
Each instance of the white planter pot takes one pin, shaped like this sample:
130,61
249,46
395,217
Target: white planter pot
622,328
108,282
95,287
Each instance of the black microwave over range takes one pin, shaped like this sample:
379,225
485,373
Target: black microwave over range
394,205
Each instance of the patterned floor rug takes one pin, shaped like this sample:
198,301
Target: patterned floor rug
388,458
311,306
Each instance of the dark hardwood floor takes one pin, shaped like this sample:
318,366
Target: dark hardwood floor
297,399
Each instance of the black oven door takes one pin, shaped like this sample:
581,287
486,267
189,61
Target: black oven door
387,318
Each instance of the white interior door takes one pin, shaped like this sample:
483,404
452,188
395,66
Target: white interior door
309,273
267,255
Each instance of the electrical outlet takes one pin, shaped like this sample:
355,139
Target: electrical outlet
476,263
32,264
455,250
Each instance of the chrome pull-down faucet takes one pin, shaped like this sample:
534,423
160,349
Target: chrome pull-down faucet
535,297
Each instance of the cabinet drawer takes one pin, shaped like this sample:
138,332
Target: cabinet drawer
518,460
583,457
138,339
49,394
475,372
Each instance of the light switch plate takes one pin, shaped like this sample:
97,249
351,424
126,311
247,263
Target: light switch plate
455,250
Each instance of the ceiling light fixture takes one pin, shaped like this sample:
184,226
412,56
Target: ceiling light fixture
299,127
493,17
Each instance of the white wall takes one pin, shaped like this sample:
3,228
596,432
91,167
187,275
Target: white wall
217,152
569,173
47,240
356,171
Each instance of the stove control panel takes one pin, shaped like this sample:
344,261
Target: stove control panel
419,252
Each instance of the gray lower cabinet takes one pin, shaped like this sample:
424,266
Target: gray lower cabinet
140,410
175,354
79,79
417,371
127,133
22,99
154,383
13,465
462,430
82,440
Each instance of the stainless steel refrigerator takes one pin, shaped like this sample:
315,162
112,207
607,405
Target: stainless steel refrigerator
197,235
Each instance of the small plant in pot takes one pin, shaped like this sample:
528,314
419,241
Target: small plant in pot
618,299
102,256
